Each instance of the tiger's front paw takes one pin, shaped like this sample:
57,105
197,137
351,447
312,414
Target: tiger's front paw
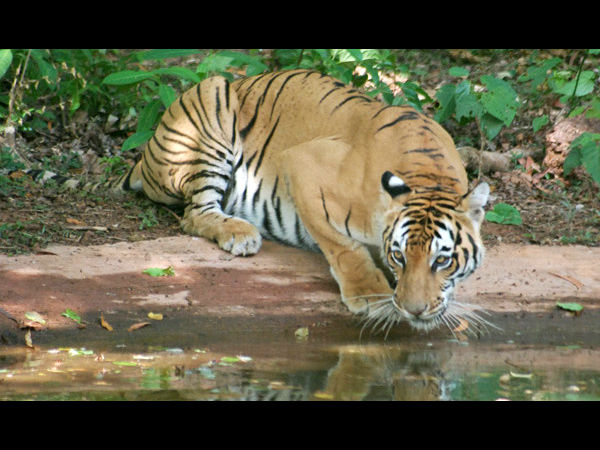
239,237
232,234
360,297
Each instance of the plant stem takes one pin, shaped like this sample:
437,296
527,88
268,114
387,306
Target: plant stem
572,98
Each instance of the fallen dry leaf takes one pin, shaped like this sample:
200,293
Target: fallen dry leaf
104,323
137,326
28,340
155,316
75,221
578,284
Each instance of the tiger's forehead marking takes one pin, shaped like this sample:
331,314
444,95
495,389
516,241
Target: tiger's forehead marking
439,235
444,241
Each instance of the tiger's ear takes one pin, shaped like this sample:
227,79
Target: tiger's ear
393,185
475,201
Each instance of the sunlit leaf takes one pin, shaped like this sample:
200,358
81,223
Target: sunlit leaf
158,272
70,314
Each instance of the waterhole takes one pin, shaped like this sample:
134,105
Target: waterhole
298,369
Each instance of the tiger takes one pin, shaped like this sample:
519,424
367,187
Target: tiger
298,157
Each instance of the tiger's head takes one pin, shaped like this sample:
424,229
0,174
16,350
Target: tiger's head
431,241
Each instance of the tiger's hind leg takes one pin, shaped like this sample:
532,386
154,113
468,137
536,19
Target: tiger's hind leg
217,164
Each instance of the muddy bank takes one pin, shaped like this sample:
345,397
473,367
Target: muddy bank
214,297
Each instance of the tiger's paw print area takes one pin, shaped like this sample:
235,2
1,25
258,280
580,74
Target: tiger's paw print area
215,295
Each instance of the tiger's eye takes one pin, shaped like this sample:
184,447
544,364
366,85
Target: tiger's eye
440,260
398,257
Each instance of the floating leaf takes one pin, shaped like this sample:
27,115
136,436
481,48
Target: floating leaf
155,316
80,352
230,359
104,323
125,363
570,306
157,272
301,333
69,313
521,375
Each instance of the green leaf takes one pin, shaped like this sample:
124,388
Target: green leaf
570,306
505,214
157,272
445,96
136,139
46,69
584,86
467,105
538,74
491,125
69,313
584,150
594,51
163,53
214,63
149,116
181,72
5,61
167,95
458,71
500,100
594,109
127,77
539,122
239,59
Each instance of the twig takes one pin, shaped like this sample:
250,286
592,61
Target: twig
481,147
85,228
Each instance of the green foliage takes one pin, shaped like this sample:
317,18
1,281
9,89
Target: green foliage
585,151
505,214
493,108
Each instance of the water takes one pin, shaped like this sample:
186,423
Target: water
296,369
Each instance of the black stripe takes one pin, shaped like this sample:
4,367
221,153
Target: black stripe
188,115
328,92
475,248
262,152
324,207
298,231
381,110
206,174
256,195
281,89
346,223
267,224
411,115
352,97
208,188
227,94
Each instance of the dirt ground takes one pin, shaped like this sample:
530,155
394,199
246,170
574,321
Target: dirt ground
216,296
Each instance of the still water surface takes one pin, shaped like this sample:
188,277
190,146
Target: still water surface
419,369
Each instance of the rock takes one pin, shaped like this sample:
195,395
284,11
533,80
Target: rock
560,138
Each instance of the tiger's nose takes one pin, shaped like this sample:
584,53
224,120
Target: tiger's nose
416,309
